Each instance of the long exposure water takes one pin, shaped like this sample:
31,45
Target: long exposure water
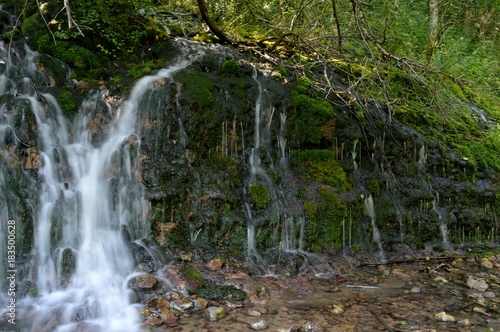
89,194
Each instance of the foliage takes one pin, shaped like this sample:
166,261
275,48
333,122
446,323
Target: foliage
259,195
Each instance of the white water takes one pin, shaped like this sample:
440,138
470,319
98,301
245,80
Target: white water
89,193
369,210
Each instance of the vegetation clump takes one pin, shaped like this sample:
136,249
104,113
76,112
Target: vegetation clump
231,67
259,195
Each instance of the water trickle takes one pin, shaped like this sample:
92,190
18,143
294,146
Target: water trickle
422,157
89,194
443,227
354,154
369,210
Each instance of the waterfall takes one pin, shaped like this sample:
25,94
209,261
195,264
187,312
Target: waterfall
89,197
369,210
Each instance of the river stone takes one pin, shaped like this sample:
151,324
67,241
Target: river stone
259,326
182,305
173,295
215,264
154,321
215,313
485,262
477,284
200,303
145,280
310,327
464,322
337,309
444,317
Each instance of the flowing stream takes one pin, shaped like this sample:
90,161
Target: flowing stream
89,198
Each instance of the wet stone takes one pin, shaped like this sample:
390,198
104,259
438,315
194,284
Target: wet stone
310,327
174,295
444,317
477,284
464,322
200,303
154,321
486,263
215,313
182,305
337,309
259,326
145,281
215,264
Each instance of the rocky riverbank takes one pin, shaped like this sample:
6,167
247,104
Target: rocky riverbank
423,291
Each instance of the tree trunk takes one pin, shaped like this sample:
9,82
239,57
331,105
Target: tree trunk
204,14
433,26
337,22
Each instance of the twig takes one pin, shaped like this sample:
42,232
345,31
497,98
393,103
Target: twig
387,327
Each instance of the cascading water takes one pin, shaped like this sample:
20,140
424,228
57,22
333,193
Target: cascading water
369,210
254,162
89,198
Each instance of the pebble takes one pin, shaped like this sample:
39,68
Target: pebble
254,313
440,279
464,322
310,327
215,313
485,262
415,289
480,311
337,309
477,283
259,326
444,317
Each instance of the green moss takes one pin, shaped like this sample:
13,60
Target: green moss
320,165
142,69
204,37
192,276
324,227
198,88
216,292
313,118
67,103
372,185
259,195
231,67
280,72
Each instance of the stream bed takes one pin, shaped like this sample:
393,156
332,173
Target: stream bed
448,292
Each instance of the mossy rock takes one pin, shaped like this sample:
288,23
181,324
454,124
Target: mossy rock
216,292
197,88
193,277
321,166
